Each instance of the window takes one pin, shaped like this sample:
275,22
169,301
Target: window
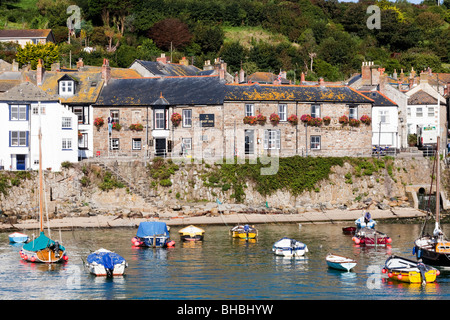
187,117
136,143
66,143
115,116
271,139
315,142
249,110
353,112
409,112
18,138
282,112
18,112
384,116
431,111
66,123
83,141
160,121
419,112
315,111
136,116
186,144
114,144
82,113
66,87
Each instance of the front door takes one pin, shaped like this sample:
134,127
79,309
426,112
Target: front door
20,162
160,147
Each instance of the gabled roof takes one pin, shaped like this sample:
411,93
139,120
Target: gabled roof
176,90
380,100
256,92
26,33
157,68
422,98
27,91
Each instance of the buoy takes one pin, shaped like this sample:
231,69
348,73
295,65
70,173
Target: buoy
33,259
357,241
65,257
390,274
399,277
383,270
171,243
438,272
388,240
134,240
25,257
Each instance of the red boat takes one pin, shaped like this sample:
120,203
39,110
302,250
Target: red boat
349,230
371,237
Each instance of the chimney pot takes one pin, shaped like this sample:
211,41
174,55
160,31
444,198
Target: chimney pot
106,71
39,72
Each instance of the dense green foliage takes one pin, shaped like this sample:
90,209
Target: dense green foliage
324,38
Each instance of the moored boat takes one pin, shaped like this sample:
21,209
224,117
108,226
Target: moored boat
153,234
288,247
192,233
340,262
106,263
371,237
17,237
349,230
405,270
244,232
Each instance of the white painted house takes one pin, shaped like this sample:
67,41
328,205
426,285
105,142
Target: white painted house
23,110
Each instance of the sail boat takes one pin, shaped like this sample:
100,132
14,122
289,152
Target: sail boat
434,249
42,249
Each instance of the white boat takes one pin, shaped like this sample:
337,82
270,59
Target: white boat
18,237
106,263
340,262
289,248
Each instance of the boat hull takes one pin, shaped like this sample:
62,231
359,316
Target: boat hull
244,232
152,242
17,237
409,271
412,276
189,237
106,263
289,248
99,270
371,237
340,262
425,249
43,256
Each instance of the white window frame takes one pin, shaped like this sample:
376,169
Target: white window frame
187,118
315,110
160,122
136,144
18,139
272,140
315,142
18,112
384,116
66,123
249,109
282,111
430,111
83,141
66,87
114,144
352,112
419,114
115,115
66,144
187,143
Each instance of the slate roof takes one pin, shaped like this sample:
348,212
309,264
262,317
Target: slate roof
168,69
258,92
422,98
380,100
27,91
176,90
26,33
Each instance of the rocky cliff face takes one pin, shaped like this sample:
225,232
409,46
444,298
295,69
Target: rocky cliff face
85,189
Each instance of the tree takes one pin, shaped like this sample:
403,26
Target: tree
234,54
170,33
31,53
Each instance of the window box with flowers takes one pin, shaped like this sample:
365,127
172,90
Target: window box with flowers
343,120
116,126
293,119
305,118
98,122
354,122
136,127
315,122
80,135
176,119
261,119
274,118
326,120
249,120
366,120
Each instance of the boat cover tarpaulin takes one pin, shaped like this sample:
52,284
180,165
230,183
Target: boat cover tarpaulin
152,228
40,243
107,258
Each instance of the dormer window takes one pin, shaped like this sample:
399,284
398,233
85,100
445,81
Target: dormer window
66,87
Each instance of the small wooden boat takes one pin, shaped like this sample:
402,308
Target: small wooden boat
106,263
191,233
340,262
18,237
405,270
349,230
153,234
289,248
244,232
371,237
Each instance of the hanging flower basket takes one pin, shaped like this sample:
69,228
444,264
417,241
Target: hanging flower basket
305,118
116,126
176,119
293,119
315,122
366,120
274,118
261,119
80,135
343,120
98,122
249,120
326,120
354,122
136,127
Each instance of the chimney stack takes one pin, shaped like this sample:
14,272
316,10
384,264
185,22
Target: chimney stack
241,76
106,71
162,59
15,65
321,82
80,63
40,72
366,74
184,61
424,77
302,78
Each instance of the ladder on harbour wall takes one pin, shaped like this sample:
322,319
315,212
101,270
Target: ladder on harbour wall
147,195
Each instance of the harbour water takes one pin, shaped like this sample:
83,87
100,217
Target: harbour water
219,268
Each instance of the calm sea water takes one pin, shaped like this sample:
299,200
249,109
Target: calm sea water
218,268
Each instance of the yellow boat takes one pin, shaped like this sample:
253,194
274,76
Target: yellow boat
244,232
404,270
191,233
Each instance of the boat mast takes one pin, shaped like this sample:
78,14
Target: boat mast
437,226
41,193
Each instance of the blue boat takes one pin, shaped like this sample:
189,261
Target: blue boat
18,237
106,263
152,234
